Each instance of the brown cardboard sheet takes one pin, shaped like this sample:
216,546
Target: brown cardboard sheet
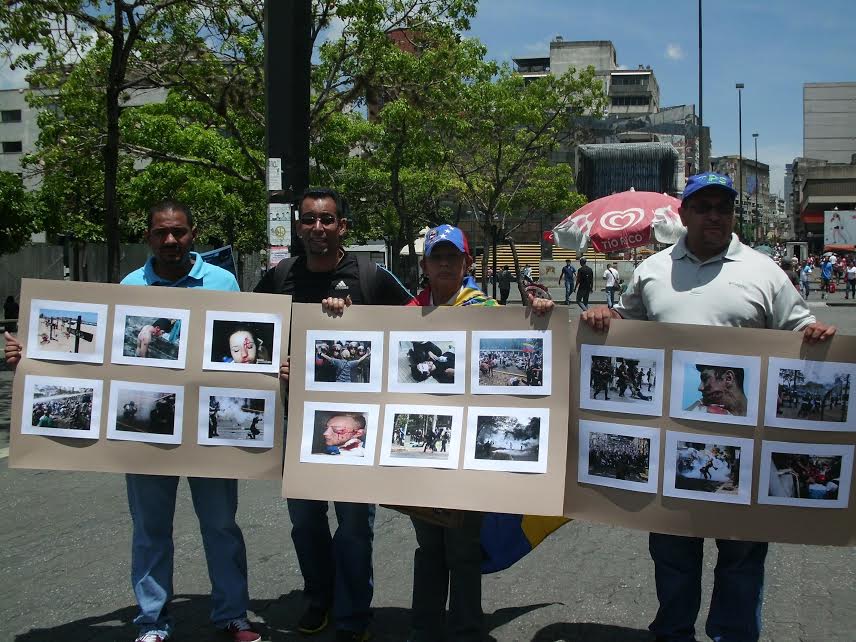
483,490
680,516
105,455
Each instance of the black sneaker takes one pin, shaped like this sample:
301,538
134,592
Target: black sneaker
343,635
314,620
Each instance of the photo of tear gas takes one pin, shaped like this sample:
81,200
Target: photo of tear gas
66,331
509,439
808,475
236,417
62,407
712,468
245,341
145,412
427,362
150,336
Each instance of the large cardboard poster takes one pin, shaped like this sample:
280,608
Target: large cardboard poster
462,408
754,437
152,380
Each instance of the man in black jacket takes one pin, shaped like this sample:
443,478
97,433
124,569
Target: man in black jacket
337,570
585,284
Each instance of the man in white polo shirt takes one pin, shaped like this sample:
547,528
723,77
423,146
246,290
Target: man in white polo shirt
710,278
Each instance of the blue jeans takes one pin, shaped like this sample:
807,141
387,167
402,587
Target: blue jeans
336,570
735,606
569,288
151,500
610,296
447,564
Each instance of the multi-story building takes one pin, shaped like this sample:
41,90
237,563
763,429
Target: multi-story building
825,176
753,185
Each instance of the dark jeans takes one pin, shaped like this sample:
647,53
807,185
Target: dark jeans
503,295
610,296
336,570
582,298
569,288
735,606
850,289
447,564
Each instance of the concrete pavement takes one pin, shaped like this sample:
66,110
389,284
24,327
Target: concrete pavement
64,565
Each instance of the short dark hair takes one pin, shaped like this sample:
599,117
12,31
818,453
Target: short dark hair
169,206
343,210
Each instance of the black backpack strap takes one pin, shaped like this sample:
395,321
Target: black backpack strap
282,272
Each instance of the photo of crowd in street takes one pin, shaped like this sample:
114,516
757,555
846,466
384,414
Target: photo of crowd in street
236,417
621,379
344,361
619,456
335,433
707,467
426,436
427,362
242,342
719,388
150,336
145,412
508,439
516,362
62,407
809,475
810,395
66,331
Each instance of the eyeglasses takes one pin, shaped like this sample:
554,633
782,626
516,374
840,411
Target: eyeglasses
309,220
725,208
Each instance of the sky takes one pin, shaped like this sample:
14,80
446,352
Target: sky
772,46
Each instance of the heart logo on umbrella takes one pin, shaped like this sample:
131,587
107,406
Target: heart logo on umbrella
621,220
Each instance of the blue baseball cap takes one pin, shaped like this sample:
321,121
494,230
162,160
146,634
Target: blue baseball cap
708,179
446,234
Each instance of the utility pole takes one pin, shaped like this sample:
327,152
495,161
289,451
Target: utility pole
739,87
287,66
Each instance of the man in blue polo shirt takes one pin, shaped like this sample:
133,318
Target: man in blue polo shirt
151,498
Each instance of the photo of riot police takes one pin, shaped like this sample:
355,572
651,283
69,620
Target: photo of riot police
621,379
145,412
810,395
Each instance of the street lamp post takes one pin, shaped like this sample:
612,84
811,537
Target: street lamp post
757,188
739,86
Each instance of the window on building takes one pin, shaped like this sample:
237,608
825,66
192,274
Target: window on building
12,147
10,115
627,101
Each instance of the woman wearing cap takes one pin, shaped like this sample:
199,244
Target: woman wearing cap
448,559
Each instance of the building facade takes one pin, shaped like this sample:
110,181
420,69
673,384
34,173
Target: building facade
829,121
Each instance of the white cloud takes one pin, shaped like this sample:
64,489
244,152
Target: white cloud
674,52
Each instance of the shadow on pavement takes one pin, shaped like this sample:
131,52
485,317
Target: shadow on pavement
590,632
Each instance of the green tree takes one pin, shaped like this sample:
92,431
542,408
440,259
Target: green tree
18,216
500,147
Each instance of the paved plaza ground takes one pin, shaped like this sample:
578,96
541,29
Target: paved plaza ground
64,566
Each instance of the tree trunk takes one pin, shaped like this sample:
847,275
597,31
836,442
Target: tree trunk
111,147
520,287
411,278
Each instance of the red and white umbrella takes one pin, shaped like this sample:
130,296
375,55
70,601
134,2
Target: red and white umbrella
621,221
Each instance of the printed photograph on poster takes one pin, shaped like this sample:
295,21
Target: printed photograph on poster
721,388
619,456
150,336
810,395
711,468
62,407
517,362
346,361
236,417
423,436
628,380
339,433
809,475
427,362
147,412
67,331
242,341
507,439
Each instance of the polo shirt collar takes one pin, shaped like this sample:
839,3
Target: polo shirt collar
196,272
734,252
